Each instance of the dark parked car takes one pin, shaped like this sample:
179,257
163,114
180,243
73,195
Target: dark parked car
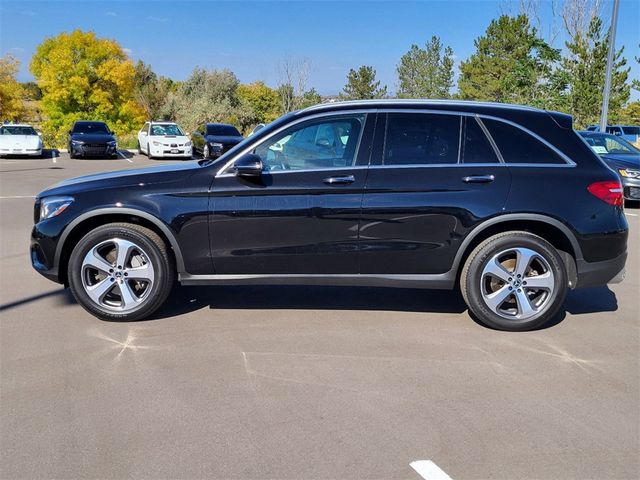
506,201
631,133
622,157
214,139
91,139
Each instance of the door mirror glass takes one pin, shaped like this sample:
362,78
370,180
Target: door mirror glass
248,165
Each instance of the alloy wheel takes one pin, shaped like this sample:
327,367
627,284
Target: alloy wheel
117,275
517,283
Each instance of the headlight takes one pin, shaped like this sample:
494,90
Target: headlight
76,142
216,145
112,143
629,173
156,144
188,144
53,206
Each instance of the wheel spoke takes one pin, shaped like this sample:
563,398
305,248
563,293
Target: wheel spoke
544,281
123,249
496,299
145,272
495,269
99,290
523,260
92,259
524,305
127,295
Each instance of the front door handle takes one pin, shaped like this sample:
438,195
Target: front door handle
343,180
478,179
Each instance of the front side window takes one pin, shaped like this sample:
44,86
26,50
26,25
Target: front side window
631,130
421,139
518,146
319,144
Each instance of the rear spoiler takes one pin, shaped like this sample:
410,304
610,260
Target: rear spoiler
563,120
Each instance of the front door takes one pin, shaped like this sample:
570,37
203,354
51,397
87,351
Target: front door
432,178
301,215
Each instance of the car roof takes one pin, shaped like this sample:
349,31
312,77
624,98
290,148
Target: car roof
503,110
162,122
87,122
220,125
15,125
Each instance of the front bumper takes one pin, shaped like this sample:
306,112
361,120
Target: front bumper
93,150
165,151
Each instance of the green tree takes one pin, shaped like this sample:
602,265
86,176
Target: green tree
262,100
512,64
150,91
362,85
583,72
11,92
309,98
426,72
84,77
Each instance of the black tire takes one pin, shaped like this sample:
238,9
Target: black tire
156,253
71,154
139,149
475,287
149,152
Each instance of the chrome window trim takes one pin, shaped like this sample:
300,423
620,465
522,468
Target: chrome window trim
496,150
223,173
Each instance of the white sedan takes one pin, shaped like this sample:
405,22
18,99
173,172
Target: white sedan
164,140
18,139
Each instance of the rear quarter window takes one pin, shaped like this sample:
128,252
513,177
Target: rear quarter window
518,146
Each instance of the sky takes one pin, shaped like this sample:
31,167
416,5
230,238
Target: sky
251,38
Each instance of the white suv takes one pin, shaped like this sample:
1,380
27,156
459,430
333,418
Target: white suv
164,140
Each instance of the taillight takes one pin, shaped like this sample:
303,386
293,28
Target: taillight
610,192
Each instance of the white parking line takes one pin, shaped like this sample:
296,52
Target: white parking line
429,470
122,155
631,214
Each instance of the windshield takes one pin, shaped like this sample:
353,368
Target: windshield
162,130
631,130
97,127
223,130
15,130
603,144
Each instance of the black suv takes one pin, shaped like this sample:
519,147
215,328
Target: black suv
508,202
215,139
91,139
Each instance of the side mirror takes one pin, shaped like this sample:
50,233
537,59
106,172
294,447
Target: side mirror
248,165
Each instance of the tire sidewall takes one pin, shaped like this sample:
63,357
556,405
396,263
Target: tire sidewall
101,234
474,273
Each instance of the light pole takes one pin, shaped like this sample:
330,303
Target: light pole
607,78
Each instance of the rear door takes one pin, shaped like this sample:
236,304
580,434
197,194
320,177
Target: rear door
433,177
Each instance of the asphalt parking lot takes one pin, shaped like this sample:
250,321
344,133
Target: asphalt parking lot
305,382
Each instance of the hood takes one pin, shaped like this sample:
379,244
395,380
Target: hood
169,139
92,137
622,160
20,141
123,178
225,139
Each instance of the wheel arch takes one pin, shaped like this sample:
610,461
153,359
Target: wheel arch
86,222
549,228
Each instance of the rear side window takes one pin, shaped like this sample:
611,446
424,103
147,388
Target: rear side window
631,130
421,139
517,146
476,147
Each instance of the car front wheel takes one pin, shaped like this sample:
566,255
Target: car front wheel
121,271
514,281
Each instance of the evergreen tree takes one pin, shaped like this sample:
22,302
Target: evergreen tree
426,72
362,85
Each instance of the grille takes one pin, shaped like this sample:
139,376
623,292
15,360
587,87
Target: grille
95,149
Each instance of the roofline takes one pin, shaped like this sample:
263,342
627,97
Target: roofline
421,101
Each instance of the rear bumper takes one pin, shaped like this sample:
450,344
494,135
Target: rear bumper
592,274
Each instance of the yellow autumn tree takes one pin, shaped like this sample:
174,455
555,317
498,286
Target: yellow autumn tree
11,92
83,77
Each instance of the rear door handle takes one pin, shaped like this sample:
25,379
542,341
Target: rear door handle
478,179
344,180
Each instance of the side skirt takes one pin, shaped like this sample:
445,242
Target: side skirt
444,281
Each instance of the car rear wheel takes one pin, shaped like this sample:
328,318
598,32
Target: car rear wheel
139,149
514,281
121,271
